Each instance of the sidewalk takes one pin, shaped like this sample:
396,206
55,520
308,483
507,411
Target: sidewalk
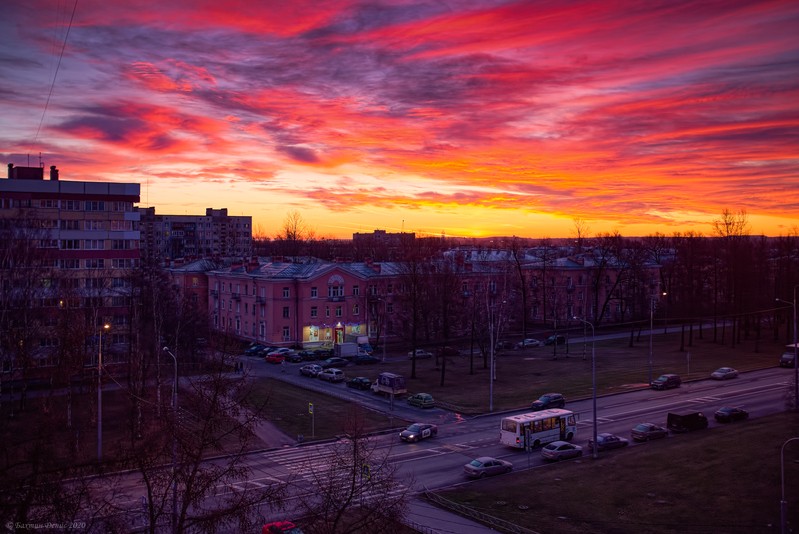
431,519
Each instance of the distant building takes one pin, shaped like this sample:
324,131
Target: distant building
64,245
381,245
187,237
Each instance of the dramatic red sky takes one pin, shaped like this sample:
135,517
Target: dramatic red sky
456,117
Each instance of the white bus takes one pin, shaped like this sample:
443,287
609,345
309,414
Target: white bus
537,428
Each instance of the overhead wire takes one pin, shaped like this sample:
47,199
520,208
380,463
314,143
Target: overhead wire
55,74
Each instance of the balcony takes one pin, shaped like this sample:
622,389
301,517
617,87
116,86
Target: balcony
235,296
336,299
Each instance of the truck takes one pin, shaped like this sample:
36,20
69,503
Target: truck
345,350
390,383
686,422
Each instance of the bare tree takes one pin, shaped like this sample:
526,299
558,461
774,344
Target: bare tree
294,235
354,487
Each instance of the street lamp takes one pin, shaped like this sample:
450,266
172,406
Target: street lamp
100,394
593,380
795,350
174,444
651,328
783,502
383,324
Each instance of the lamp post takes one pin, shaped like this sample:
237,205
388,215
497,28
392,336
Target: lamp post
100,394
593,380
174,444
651,328
491,355
383,324
783,502
795,351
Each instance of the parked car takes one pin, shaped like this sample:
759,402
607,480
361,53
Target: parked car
275,357
335,361
323,353
418,431
311,370
787,359
421,400
254,349
729,414
359,382
281,527
606,442
647,431
666,381
449,351
723,373
486,466
331,374
294,357
561,450
308,355
364,359
526,343
551,340
420,353
548,400
504,345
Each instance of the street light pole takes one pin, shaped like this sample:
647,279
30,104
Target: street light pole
491,363
651,328
174,444
100,394
593,380
795,351
783,502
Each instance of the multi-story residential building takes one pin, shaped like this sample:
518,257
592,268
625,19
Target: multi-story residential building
214,235
64,245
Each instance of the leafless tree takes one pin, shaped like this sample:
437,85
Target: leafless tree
353,486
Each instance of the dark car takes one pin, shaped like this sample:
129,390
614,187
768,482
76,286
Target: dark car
294,357
418,431
686,422
359,382
308,355
448,351
728,414
335,361
606,442
323,353
549,400
787,359
647,431
551,340
666,381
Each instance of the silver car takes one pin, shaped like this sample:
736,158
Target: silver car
561,450
486,466
724,373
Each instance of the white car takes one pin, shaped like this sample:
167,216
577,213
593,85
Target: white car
332,375
525,343
724,373
420,353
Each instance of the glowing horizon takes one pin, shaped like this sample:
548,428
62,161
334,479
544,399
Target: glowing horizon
468,118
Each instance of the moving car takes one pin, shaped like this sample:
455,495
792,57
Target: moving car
420,353
787,359
561,450
311,370
729,414
548,400
686,422
364,359
551,340
418,431
359,382
331,374
486,466
647,431
421,400
525,343
606,442
666,381
723,373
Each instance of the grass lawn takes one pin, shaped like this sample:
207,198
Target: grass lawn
720,480
523,375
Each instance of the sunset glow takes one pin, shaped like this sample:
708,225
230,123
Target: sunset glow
451,117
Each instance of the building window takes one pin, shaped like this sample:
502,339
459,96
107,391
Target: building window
327,311
286,333
356,291
314,312
390,288
314,293
335,291
338,311
286,293
262,327
356,310
285,312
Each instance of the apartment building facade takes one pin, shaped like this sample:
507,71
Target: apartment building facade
66,245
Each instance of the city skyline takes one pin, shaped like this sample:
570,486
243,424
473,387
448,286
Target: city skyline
465,118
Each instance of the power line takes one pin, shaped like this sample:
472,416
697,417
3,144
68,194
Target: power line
55,75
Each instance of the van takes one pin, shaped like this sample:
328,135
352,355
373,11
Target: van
687,422
787,359
666,381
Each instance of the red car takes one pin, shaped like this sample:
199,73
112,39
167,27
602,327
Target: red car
281,527
273,357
